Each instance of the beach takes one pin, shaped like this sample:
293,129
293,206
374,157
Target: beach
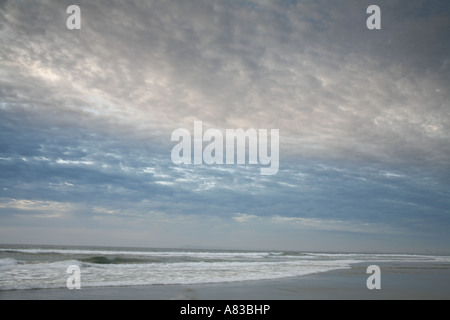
399,281
225,150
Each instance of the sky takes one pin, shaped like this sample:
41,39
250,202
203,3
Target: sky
86,118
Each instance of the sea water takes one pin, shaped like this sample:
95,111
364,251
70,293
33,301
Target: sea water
33,267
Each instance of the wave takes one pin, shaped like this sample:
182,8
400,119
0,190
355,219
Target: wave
117,260
53,275
380,257
8,262
46,268
198,254
226,254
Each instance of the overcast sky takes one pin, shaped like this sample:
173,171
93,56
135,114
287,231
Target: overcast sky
86,118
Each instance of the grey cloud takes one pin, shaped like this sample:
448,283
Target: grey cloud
350,104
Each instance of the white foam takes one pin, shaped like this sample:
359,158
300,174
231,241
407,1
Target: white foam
380,257
204,267
197,254
53,275
8,262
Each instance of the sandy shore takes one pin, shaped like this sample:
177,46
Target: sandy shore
412,281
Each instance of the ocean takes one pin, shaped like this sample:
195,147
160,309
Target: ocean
44,267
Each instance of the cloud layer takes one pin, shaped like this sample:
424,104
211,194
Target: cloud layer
86,119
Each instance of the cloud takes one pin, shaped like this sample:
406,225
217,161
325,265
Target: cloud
46,209
86,116
305,69
242,217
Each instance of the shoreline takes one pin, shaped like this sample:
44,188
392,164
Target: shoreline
415,281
